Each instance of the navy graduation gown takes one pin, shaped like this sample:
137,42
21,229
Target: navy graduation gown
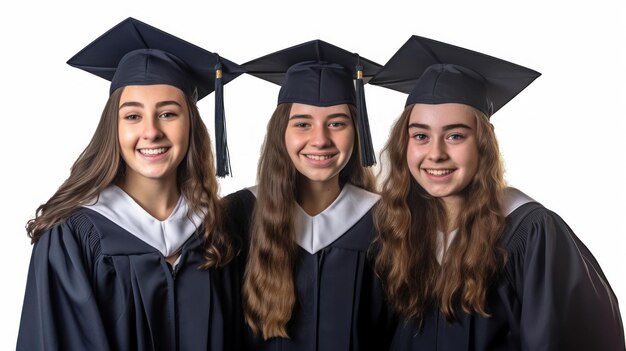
93,286
340,302
551,295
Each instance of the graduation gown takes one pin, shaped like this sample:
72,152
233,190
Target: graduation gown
93,285
340,303
551,295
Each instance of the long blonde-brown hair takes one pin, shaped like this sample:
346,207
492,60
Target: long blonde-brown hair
269,289
407,219
101,165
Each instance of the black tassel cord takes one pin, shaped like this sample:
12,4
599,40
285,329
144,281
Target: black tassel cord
368,158
221,144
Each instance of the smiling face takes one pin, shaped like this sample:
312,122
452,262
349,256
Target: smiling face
442,151
153,130
319,141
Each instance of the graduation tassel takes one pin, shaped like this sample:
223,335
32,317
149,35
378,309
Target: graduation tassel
368,158
221,144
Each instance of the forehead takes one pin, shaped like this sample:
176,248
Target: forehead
152,93
435,115
304,109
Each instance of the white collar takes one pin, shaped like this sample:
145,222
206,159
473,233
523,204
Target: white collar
443,246
513,199
166,236
314,233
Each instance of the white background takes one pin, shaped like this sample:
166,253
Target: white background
562,138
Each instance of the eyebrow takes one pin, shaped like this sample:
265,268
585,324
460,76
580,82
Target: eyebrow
448,127
158,105
334,115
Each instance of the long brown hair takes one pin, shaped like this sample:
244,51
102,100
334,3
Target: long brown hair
407,219
269,289
101,165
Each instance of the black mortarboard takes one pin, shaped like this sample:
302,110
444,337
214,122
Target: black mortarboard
433,72
135,53
321,74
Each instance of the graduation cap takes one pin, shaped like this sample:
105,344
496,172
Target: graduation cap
321,74
433,72
135,53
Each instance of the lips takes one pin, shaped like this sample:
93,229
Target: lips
439,172
319,157
153,151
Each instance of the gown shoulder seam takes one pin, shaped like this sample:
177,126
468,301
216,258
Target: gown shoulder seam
86,229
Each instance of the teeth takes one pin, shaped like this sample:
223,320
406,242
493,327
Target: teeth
319,158
438,172
153,151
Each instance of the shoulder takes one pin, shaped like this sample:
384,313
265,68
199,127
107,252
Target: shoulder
78,225
83,220
513,199
356,201
240,202
238,209
361,194
521,212
532,229
77,233
245,194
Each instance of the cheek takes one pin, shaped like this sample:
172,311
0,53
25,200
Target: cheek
413,161
348,142
126,137
184,144
178,134
413,156
183,138
474,164
472,159
293,143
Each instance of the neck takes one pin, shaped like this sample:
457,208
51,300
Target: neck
158,197
315,197
453,206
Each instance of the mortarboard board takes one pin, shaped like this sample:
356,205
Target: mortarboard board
433,72
135,53
321,74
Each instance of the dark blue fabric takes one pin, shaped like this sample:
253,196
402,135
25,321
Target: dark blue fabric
152,66
135,53
447,73
321,74
313,73
94,286
318,84
340,303
551,296
443,83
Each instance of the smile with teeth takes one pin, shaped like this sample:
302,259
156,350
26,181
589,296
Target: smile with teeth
439,172
152,152
319,157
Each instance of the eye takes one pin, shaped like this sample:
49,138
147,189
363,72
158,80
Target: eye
167,115
336,124
300,125
419,136
456,137
132,117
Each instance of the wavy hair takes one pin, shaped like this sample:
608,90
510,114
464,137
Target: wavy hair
407,219
101,165
269,290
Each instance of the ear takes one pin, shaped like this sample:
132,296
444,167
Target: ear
492,127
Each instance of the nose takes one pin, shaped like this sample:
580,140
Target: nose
320,136
151,129
437,151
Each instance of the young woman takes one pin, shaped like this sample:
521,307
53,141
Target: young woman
119,260
308,281
468,263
